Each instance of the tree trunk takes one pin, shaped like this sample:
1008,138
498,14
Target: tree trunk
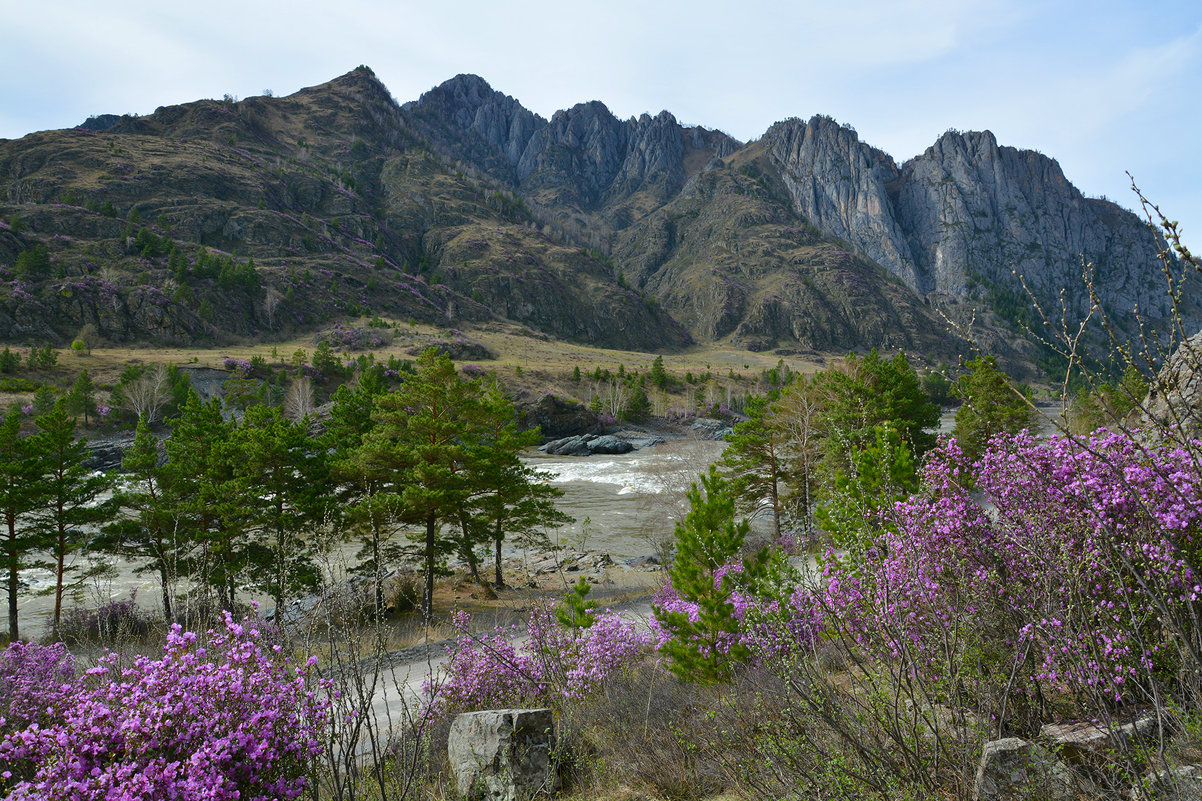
775,479
13,633
468,552
428,592
281,546
497,558
165,578
59,570
775,507
379,568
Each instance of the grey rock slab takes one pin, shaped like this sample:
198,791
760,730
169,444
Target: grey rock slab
642,440
1177,784
609,444
1089,742
714,429
1013,769
503,754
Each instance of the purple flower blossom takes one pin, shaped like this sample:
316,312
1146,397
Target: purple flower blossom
230,721
556,663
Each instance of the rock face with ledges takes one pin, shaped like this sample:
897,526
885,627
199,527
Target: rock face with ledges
839,184
963,217
583,157
973,211
464,206
732,260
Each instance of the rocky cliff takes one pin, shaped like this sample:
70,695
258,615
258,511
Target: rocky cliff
964,217
267,215
582,159
731,260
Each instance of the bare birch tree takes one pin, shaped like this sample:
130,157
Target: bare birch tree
146,395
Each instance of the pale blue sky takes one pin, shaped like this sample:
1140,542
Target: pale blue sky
1103,87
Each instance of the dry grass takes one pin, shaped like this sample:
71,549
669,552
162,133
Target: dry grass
513,348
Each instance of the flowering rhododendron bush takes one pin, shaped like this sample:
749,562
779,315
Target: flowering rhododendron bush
34,680
553,664
1073,562
768,626
232,720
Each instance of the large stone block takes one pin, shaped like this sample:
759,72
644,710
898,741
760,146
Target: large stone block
1013,769
1092,743
1177,784
503,754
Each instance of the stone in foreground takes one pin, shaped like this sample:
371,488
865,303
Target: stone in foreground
1085,743
503,754
1013,769
1178,784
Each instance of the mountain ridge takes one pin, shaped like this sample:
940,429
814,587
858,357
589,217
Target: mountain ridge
465,205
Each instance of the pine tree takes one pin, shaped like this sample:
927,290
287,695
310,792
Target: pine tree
34,263
199,477
867,392
991,403
755,456
577,610
9,361
148,531
417,451
708,541
658,375
356,492
82,397
69,499
638,406
510,499
281,477
20,495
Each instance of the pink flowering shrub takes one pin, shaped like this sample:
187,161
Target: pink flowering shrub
239,367
553,664
767,626
34,680
230,721
474,371
1073,568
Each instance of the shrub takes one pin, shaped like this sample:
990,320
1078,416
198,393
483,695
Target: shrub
473,371
556,664
16,384
111,623
1082,577
228,721
242,368
33,679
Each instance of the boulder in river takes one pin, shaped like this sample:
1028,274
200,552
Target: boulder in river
587,445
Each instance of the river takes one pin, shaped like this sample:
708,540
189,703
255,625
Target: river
626,506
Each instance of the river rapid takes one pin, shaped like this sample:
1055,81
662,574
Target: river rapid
624,505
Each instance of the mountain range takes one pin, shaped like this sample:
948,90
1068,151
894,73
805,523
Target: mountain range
262,217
